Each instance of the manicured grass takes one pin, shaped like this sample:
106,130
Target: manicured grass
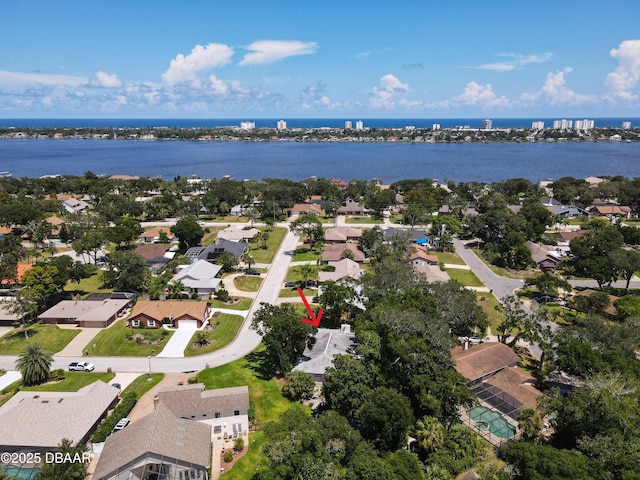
92,284
448,257
264,393
305,254
73,381
113,342
51,337
293,292
141,385
243,304
210,235
248,283
294,275
266,255
488,302
223,335
377,221
465,277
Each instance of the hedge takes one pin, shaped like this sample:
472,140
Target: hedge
127,402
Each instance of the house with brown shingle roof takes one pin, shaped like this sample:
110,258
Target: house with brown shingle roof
86,313
517,383
155,313
345,268
342,234
335,252
544,258
351,208
153,235
612,211
420,257
306,208
479,362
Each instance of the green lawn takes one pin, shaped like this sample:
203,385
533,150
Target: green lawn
225,332
264,393
244,303
113,341
248,283
294,275
52,338
88,285
293,292
73,381
305,254
465,277
141,385
448,257
488,303
377,221
266,255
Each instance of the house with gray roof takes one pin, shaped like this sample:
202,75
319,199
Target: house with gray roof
86,313
199,278
159,445
329,343
211,252
38,421
238,234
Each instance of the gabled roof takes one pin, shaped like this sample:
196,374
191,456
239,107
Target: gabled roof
236,234
568,236
160,433
160,309
192,399
307,208
341,234
484,359
334,252
85,310
210,252
200,274
42,419
518,383
343,268
351,206
420,253
540,254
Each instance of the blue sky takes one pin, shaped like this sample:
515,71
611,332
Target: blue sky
332,59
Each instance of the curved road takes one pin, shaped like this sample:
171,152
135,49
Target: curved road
246,341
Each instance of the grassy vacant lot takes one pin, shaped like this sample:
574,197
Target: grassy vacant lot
488,303
266,255
87,285
294,275
114,341
225,332
244,303
377,221
73,381
305,254
448,257
465,277
264,393
141,386
52,338
248,283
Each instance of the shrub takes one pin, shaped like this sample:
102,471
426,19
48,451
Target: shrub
57,374
238,445
123,408
228,456
298,386
223,295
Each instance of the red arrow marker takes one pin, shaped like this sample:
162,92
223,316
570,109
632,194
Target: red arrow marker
315,321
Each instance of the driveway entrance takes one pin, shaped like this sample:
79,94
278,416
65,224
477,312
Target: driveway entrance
180,339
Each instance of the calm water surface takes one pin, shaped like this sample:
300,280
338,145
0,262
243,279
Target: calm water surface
296,161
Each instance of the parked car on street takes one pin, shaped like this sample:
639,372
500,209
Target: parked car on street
81,367
290,285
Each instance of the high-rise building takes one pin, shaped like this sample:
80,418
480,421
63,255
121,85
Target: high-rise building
348,125
282,125
359,125
487,124
563,124
537,125
584,124
247,125
436,126
626,125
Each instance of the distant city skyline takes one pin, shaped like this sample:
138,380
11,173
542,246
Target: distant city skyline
199,59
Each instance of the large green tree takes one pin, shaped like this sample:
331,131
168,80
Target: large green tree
283,334
188,231
127,272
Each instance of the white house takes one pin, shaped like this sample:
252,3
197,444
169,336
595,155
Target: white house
199,278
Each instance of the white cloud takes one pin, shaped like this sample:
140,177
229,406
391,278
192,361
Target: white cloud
624,78
185,68
21,79
104,80
481,95
556,92
270,51
217,86
517,61
384,96
363,54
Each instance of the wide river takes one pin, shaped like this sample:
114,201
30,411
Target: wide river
296,161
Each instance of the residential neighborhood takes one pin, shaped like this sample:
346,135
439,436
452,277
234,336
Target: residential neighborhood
457,304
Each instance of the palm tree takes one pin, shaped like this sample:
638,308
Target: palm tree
429,434
34,364
175,289
248,259
306,270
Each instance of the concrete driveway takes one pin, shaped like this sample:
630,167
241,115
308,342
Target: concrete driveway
179,340
8,378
